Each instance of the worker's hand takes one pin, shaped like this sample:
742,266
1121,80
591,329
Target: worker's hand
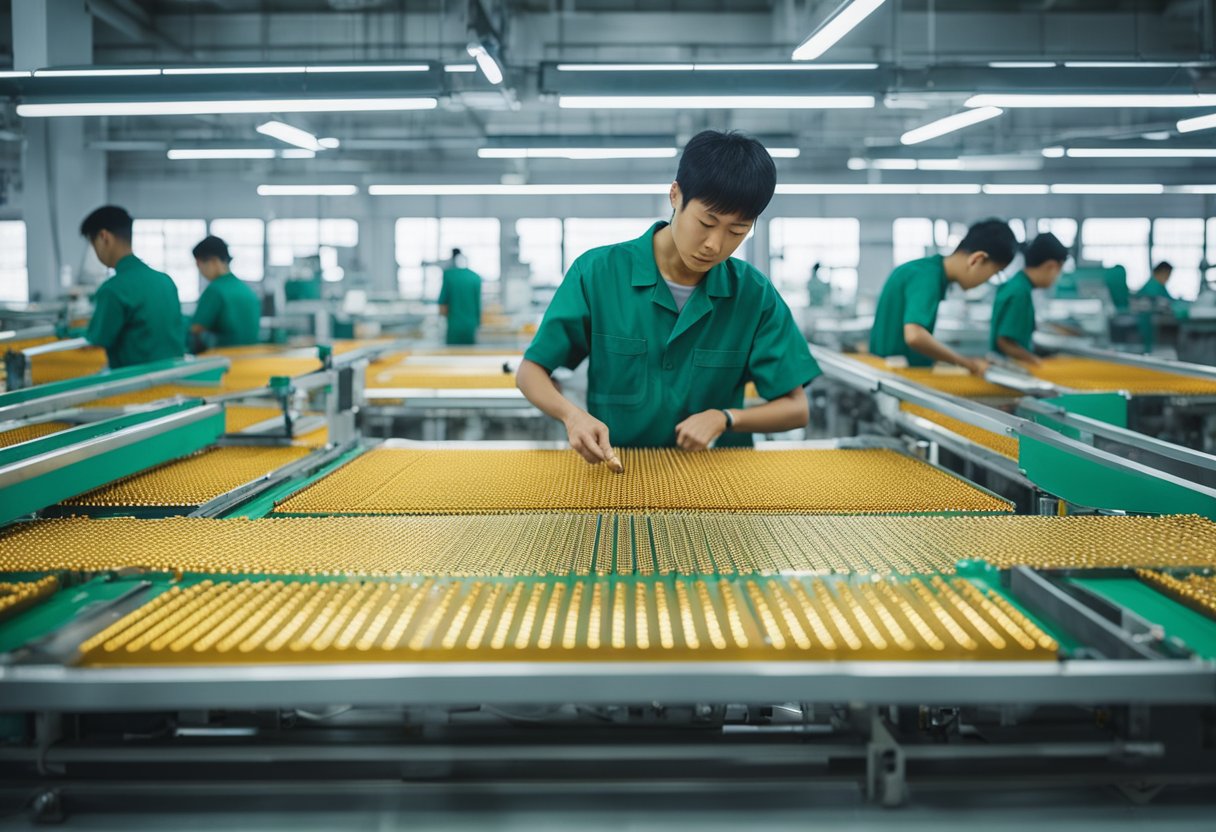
700,429
977,366
589,436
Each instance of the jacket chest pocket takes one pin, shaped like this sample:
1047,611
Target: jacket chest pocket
716,374
619,370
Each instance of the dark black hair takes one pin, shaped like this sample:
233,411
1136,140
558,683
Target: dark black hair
108,218
1164,264
993,237
730,172
212,246
1045,248
455,252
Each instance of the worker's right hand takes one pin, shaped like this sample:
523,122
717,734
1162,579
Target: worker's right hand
977,366
589,437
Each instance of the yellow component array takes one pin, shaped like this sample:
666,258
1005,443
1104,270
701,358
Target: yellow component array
237,417
586,544
15,436
947,379
1195,591
439,378
251,373
158,393
194,480
1006,446
58,366
409,481
19,595
475,620
1091,374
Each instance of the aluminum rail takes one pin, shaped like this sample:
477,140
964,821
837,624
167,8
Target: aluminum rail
1075,346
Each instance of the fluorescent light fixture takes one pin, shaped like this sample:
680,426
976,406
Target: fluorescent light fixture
15,73
968,163
877,189
1141,153
841,22
1021,64
858,163
949,124
626,67
1090,188
235,70
710,67
1190,125
1111,100
576,152
1193,189
297,153
307,190
460,67
893,164
715,102
329,143
1157,136
1053,152
1121,64
1019,190
486,63
255,106
939,164
181,154
290,135
100,72
519,190
784,152
321,70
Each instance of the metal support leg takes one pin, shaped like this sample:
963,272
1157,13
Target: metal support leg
886,782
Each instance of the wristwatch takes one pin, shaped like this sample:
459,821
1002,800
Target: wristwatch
730,419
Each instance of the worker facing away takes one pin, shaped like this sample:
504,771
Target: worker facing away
672,327
137,316
1012,330
229,312
460,301
907,308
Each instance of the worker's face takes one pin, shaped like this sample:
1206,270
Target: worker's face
979,269
1163,275
704,238
211,268
108,248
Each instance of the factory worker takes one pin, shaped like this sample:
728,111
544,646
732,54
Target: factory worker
1012,330
229,312
137,317
1156,286
672,327
460,300
907,308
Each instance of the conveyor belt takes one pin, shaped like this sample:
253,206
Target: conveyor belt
15,436
587,544
194,480
251,373
944,379
1091,374
409,481
1006,446
16,596
156,393
564,620
237,417
1195,591
439,378
58,366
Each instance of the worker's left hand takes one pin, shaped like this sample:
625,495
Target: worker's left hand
700,429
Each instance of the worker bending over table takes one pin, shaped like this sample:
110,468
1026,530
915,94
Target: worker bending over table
1012,330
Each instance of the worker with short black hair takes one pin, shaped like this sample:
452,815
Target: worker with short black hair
137,317
672,326
907,308
229,312
1156,286
1012,329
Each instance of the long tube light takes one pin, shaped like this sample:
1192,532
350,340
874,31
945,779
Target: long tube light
1026,190
841,22
235,70
794,189
1141,152
1021,64
1091,188
100,72
1190,125
255,105
181,154
576,152
715,102
307,190
1112,100
290,135
711,67
486,62
949,124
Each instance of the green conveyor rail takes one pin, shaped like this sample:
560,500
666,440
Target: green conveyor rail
52,388
1195,630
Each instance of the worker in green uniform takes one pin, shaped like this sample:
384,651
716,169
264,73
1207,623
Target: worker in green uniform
1012,330
460,301
229,313
1154,298
137,316
672,327
907,308
1156,286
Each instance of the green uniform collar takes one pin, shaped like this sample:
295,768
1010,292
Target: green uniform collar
718,282
128,263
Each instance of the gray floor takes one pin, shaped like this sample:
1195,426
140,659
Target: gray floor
822,809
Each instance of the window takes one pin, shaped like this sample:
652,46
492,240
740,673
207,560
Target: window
540,249
168,246
294,238
582,235
14,276
797,244
1118,242
1019,229
246,239
912,239
423,245
1180,241
1065,229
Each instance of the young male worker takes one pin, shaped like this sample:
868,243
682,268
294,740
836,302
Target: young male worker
460,301
228,313
907,308
1012,331
1156,286
137,317
672,326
